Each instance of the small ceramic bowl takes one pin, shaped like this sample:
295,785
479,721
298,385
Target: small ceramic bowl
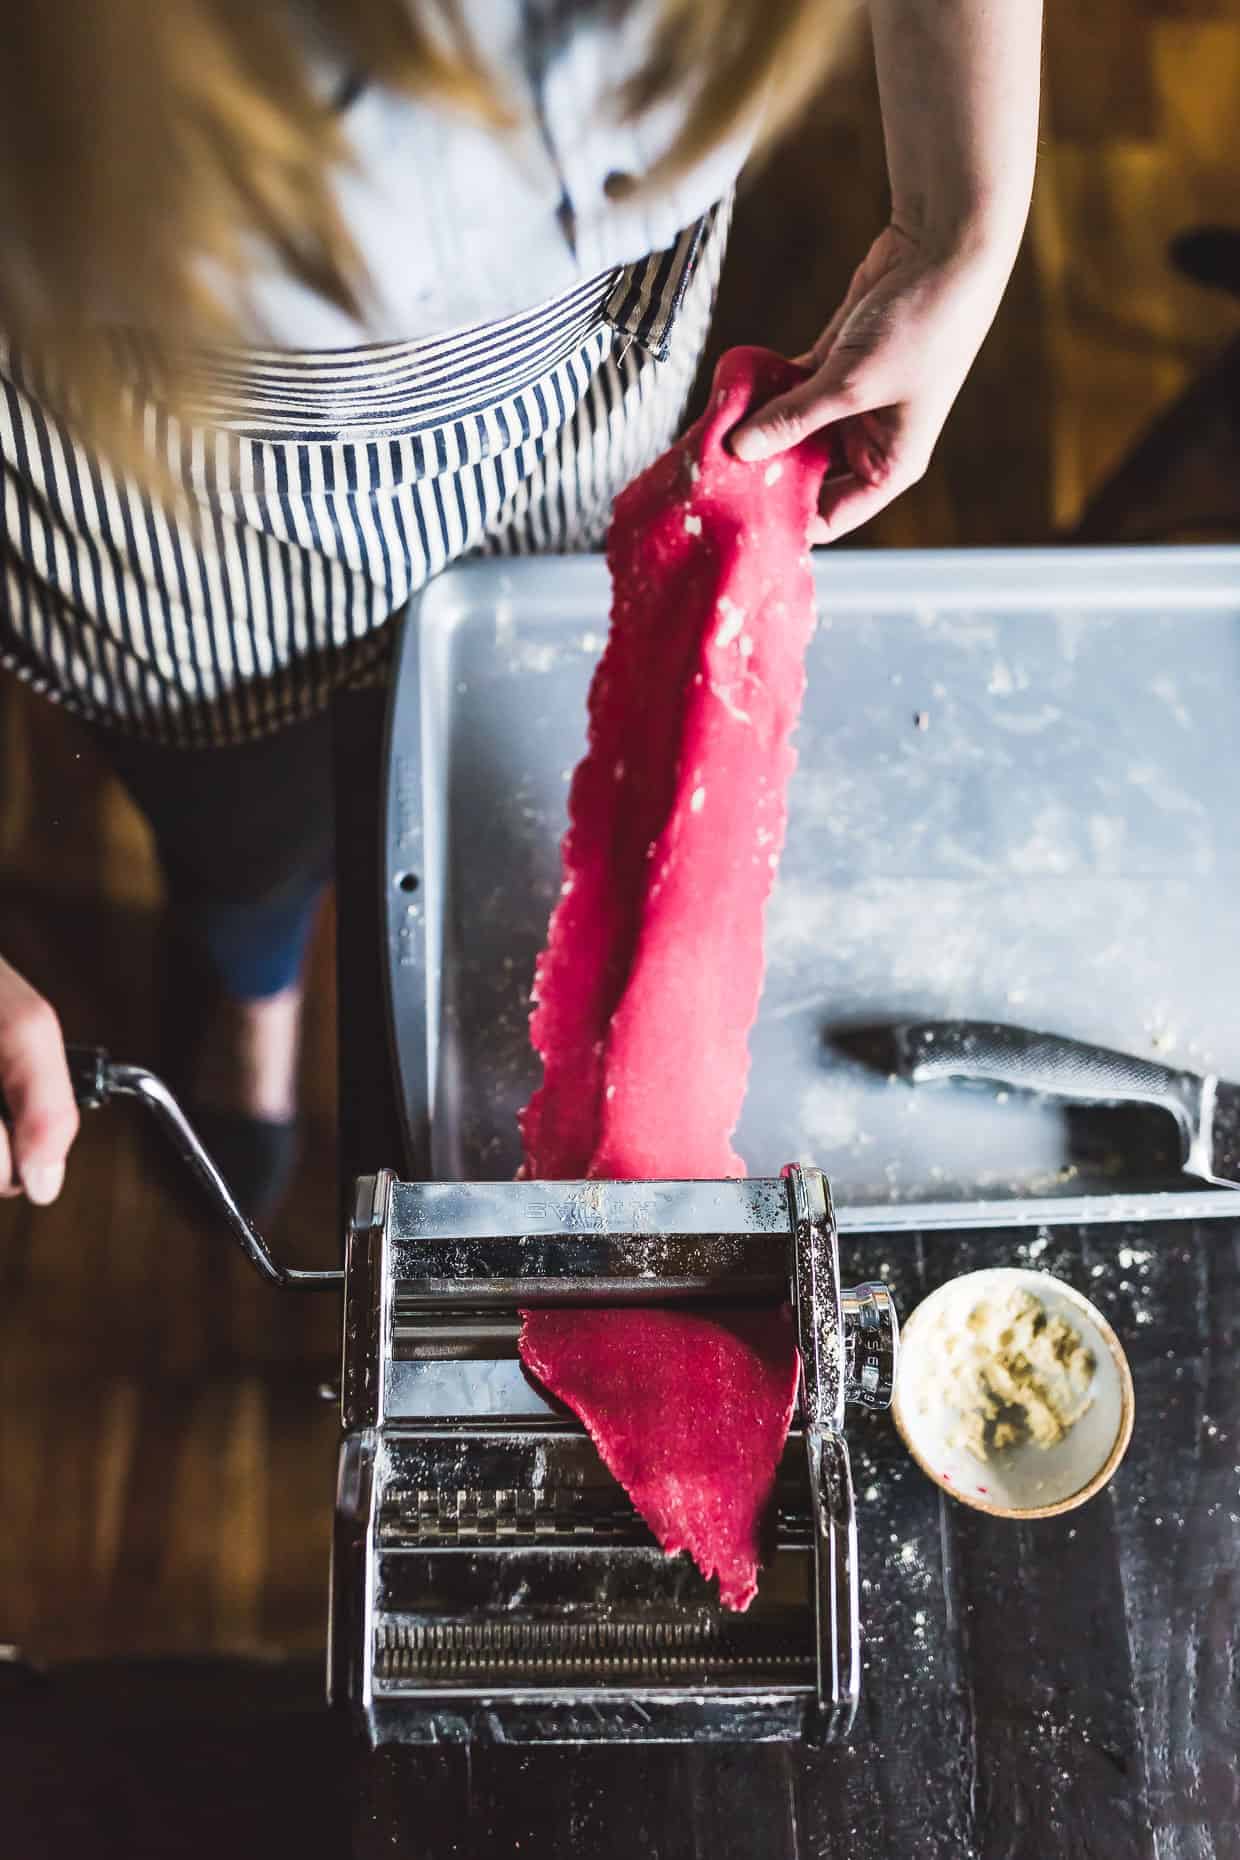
1025,1481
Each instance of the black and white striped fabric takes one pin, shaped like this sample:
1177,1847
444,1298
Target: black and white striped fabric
320,491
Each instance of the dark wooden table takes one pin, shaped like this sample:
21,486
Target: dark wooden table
173,1759
1066,1690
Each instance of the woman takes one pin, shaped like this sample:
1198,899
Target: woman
427,278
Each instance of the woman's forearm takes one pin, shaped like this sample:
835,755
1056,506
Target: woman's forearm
959,83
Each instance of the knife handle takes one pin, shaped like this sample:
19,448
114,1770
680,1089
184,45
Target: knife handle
986,1052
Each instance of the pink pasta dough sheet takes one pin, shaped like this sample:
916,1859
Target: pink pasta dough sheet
649,983
690,1414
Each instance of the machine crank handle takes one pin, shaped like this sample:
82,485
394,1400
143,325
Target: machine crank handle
88,1075
97,1079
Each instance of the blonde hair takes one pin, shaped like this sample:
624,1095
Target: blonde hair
147,145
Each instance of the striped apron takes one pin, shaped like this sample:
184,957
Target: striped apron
321,490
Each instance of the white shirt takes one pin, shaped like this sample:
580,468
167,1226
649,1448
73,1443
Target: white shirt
458,224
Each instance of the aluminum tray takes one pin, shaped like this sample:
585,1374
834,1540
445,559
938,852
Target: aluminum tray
1015,799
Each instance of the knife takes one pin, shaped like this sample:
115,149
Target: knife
1206,1108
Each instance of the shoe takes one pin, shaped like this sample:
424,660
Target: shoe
256,1156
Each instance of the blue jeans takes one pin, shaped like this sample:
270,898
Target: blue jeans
245,837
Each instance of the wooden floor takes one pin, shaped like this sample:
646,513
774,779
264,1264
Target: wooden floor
165,1465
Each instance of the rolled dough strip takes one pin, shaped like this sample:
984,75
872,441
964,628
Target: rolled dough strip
650,980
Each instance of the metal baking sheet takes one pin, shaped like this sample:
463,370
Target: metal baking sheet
1015,800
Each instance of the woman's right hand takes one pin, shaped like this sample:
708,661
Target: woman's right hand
41,1116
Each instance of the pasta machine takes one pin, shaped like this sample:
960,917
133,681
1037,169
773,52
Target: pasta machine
489,1579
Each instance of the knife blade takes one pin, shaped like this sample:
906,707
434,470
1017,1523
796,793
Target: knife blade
1206,1108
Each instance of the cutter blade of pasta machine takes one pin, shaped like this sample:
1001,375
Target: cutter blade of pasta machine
490,1580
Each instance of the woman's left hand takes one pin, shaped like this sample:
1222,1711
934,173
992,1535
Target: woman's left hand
886,371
